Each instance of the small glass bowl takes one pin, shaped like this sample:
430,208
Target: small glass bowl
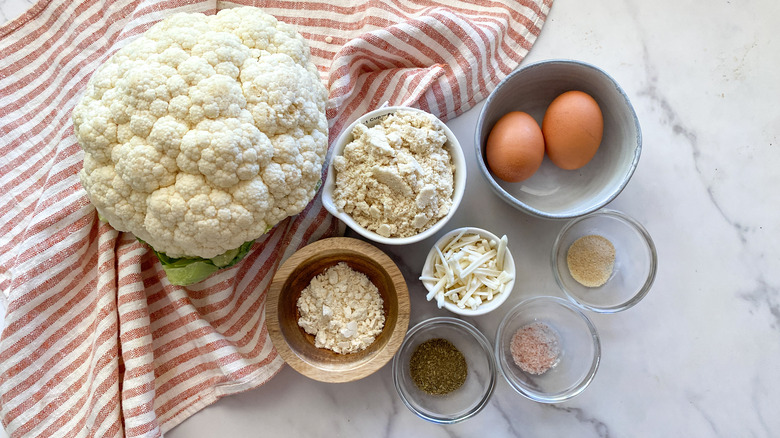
578,341
462,403
635,262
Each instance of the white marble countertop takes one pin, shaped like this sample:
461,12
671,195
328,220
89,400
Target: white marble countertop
700,355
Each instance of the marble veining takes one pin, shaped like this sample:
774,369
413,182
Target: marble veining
699,356
598,426
507,420
703,414
10,9
765,295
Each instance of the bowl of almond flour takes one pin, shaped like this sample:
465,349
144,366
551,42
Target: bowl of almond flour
397,175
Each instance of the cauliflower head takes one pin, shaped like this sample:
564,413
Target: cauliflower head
205,132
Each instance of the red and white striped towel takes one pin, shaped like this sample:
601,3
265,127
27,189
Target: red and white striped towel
96,341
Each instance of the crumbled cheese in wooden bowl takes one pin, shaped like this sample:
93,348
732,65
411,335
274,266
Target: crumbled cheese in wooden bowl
469,271
342,309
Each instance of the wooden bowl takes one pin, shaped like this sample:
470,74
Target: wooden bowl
296,346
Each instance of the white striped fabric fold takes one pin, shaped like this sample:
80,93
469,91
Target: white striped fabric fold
97,342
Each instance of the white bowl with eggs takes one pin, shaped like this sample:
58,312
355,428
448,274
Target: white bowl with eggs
553,192
369,120
431,275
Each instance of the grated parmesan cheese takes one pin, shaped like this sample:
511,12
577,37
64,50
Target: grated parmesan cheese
468,271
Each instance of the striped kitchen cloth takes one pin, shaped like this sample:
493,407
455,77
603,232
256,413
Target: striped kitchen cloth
96,341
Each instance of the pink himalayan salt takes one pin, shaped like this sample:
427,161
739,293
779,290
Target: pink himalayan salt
535,348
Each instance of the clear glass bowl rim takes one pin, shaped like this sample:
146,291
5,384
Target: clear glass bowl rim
642,291
557,398
481,339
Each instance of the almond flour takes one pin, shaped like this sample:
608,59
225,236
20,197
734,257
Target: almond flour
396,178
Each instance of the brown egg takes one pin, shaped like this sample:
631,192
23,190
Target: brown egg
515,147
572,128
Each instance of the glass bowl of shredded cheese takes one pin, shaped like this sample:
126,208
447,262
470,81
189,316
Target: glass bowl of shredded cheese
547,349
469,271
605,261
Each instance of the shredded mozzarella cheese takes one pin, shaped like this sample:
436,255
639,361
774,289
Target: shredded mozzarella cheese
469,271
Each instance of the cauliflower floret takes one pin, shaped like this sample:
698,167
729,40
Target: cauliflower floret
279,94
224,151
204,132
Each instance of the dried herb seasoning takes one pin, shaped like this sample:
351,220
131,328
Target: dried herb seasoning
438,367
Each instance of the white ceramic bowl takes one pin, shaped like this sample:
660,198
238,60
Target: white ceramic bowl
552,192
371,119
509,267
